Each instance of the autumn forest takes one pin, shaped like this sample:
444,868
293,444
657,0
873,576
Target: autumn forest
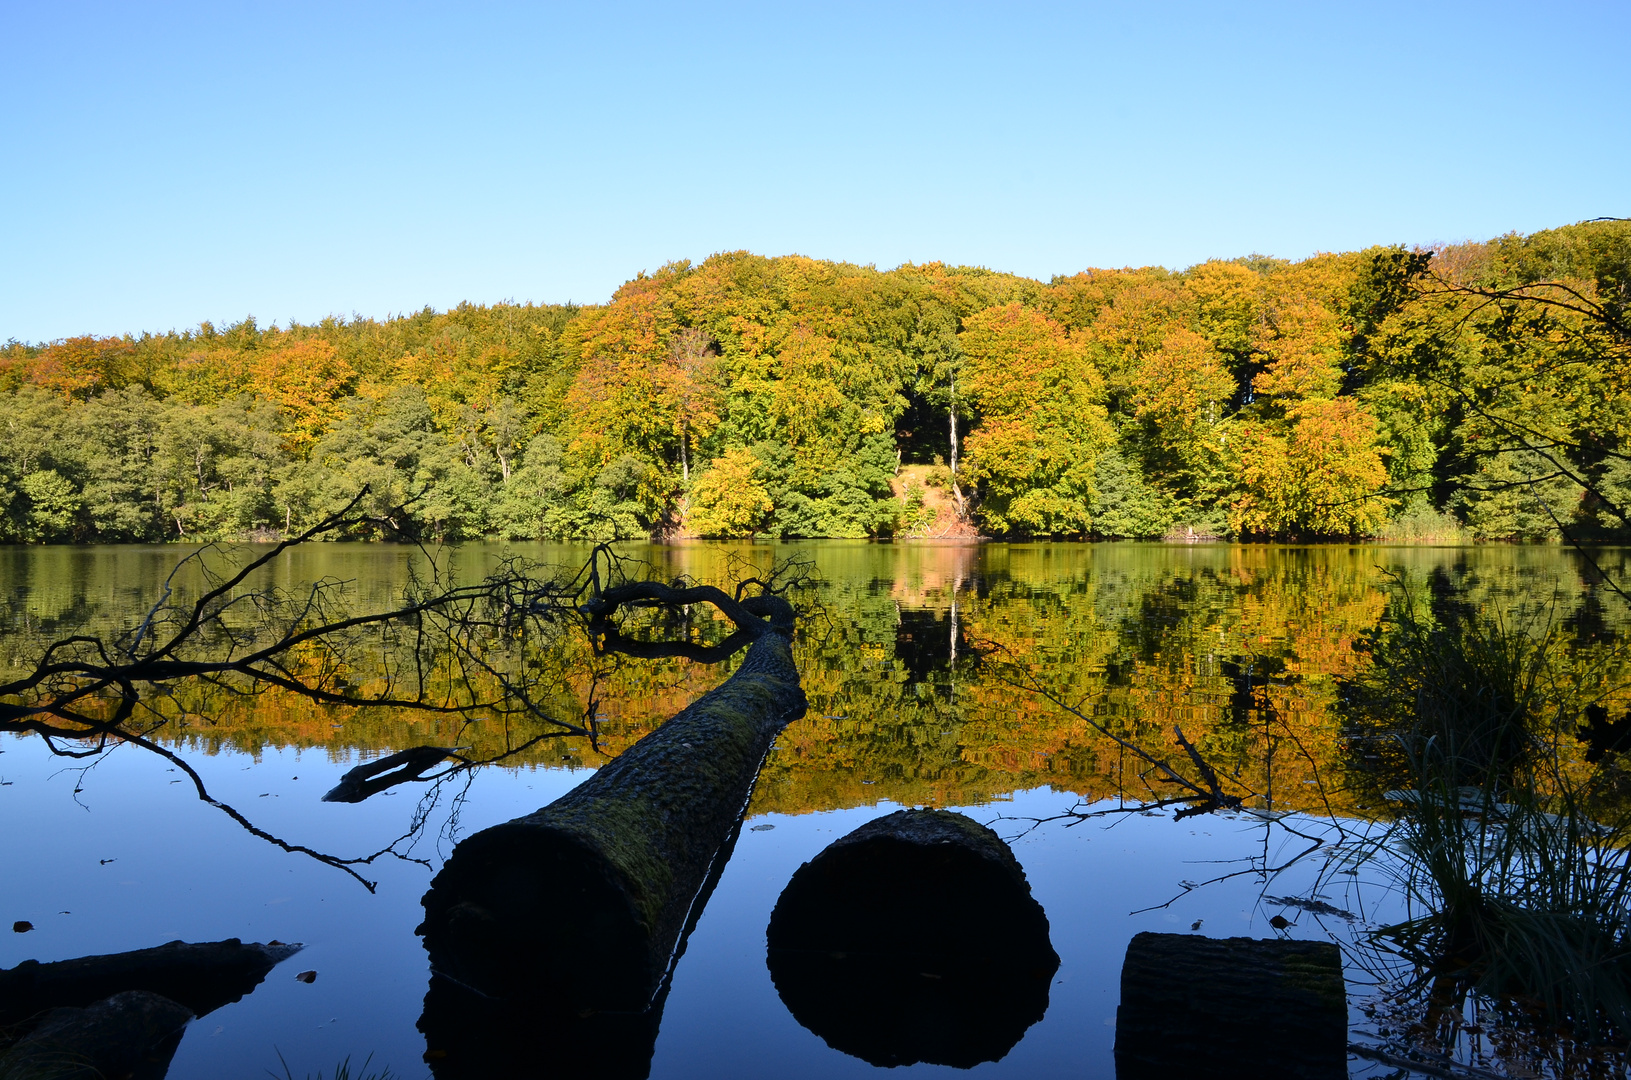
1478,390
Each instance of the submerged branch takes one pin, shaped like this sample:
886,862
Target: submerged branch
1202,797
497,648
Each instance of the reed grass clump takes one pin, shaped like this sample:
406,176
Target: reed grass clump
343,1070
1512,851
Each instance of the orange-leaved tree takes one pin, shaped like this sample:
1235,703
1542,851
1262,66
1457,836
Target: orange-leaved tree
307,380
77,367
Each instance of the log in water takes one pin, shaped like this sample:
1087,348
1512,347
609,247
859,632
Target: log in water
580,905
913,938
129,1036
1231,1008
199,975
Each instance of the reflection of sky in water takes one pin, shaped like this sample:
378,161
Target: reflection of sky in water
181,869
1160,632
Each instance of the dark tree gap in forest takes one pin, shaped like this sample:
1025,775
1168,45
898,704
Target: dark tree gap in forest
1472,390
922,432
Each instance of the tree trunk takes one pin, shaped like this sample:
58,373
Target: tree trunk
1228,1008
580,905
956,490
132,1036
202,976
913,938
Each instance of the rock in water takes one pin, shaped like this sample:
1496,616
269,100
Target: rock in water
914,938
1231,1008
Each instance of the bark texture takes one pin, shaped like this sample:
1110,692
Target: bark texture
580,905
201,976
129,1036
1231,1008
913,938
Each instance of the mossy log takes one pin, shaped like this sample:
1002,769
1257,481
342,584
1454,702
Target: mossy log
202,976
580,905
131,1036
913,938
1231,1008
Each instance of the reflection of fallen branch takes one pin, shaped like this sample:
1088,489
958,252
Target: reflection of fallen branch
491,648
1257,866
243,640
250,827
1313,907
399,768
1196,799
1338,853
1213,798
1205,793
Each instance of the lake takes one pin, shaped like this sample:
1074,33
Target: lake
937,676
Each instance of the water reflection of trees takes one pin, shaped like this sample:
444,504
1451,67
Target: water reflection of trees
1246,652
971,673
1244,649
509,649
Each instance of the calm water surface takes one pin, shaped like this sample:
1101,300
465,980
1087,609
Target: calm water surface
910,667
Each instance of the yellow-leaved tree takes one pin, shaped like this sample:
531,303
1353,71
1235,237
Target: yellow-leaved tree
728,498
307,380
1042,427
1322,478
1182,393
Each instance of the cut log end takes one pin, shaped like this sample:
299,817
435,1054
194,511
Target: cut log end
1231,1008
535,914
914,938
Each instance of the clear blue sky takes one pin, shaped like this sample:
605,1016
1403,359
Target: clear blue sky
166,164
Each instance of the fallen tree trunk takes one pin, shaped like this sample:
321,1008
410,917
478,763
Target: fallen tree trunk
1231,1008
913,938
580,905
131,1036
200,976
474,1037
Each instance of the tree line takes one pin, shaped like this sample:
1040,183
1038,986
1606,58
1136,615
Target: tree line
1477,390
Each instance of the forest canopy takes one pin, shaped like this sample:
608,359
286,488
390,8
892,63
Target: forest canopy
1477,389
